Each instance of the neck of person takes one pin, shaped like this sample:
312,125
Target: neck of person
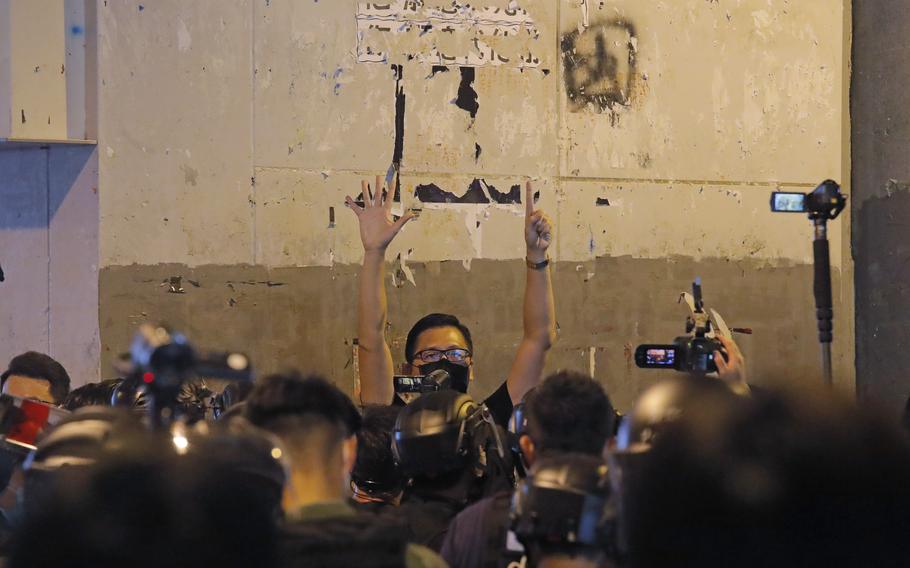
310,485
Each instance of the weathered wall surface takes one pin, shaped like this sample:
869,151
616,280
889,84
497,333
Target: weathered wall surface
231,131
49,256
881,204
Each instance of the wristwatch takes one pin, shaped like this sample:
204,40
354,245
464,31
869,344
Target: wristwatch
538,265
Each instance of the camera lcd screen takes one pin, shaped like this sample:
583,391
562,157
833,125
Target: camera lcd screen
660,357
788,202
405,384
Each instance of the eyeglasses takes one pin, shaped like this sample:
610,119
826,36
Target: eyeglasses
434,355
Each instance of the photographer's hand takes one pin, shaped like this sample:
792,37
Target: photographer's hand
732,369
377,230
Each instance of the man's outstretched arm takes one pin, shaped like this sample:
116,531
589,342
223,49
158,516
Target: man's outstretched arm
377,229
539,308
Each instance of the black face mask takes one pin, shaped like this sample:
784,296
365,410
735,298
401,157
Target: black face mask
459,373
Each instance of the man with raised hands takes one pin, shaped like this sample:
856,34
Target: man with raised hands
442,341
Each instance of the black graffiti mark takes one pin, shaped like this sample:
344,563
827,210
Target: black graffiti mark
479,191
467,96
398,152
602,202
477,152
599,65
2,276
438,69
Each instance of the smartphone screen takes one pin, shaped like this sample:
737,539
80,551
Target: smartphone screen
783,202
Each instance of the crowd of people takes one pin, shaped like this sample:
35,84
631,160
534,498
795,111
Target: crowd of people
158,469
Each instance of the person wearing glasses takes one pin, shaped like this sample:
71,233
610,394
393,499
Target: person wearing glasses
441,341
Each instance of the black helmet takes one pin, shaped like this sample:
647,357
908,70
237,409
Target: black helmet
663,404
564,506
432,435
86,436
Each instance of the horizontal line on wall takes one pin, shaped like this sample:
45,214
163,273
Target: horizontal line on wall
449,175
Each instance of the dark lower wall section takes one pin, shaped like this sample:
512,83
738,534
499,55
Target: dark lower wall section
306,317
880,112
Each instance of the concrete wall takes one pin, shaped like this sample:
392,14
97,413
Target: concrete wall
881,201
230,132
49,256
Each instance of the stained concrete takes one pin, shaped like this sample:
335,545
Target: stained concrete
306,317
880,108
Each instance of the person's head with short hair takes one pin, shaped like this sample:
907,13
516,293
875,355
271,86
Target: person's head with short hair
92,394
799,479
145,510
37,376
316,423
441,341
568,412
376,476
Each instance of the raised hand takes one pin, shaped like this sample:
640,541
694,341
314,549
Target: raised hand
377,227
538,228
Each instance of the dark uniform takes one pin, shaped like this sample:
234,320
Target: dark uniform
329,535
480,537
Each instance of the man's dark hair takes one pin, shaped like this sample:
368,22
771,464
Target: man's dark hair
146,511
801,480
375,470
570,412
92,394
278,399
40,366
432,321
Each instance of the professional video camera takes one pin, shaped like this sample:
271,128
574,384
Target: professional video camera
823,204
162,361
825,201
438,380
692,353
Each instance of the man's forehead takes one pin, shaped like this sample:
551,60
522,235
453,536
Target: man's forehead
440,337
24,386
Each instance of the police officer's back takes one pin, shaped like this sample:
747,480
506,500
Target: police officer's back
454,454
568,412
316,423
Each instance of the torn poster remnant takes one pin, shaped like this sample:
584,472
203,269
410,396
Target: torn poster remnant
459,34
479,191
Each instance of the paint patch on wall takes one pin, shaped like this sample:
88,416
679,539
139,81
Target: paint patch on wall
599,65
457,34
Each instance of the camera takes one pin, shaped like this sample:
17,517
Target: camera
825,201
439,379
687,354
162,362
692,353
